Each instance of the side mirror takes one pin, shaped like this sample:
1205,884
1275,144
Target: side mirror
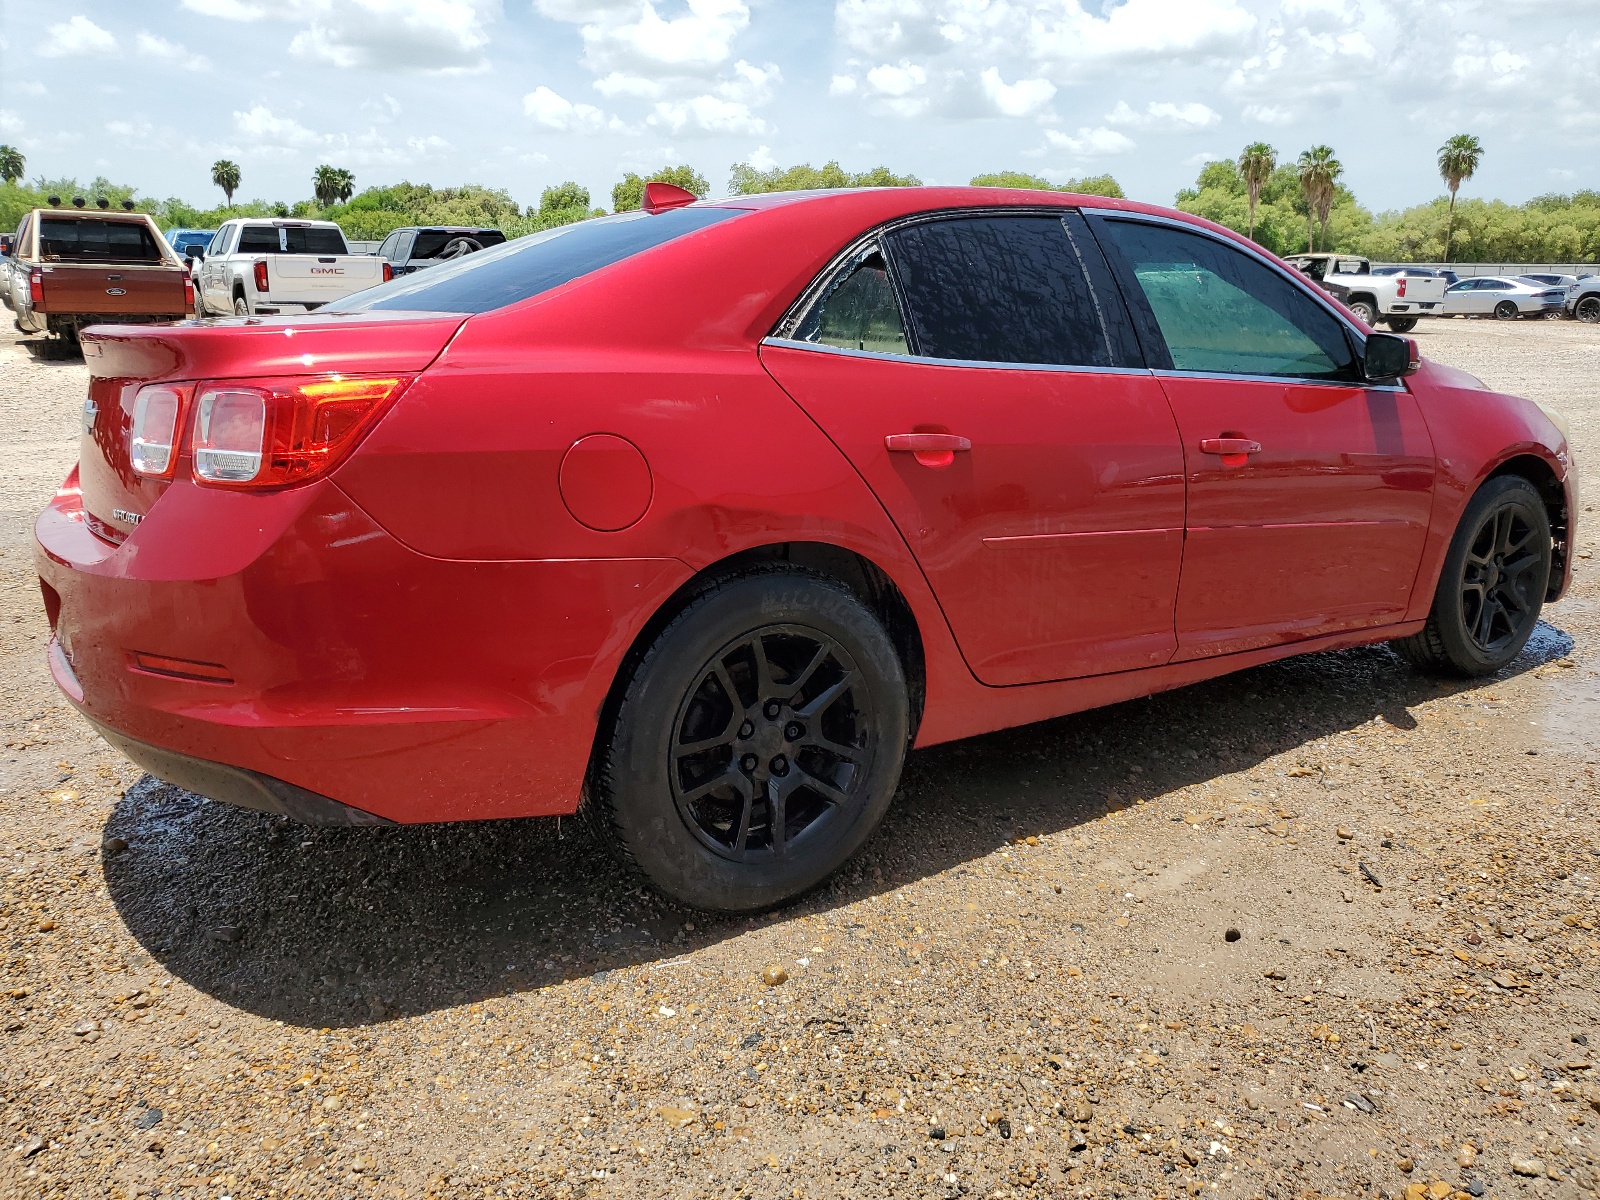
194,252
1390,356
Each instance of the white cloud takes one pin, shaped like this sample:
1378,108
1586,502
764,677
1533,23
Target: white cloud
29,87
1020,99
842,85
270,134
890,80
1091,143
151,46
1266,114
10,122
635,39
1160,114
77,35
265,129
427,35
762,159
555,111
228,10
1141,29
707,114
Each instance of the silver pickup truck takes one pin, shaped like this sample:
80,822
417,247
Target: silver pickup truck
1399,300
260,266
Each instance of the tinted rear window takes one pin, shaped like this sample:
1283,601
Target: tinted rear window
297,239
69,239
529,265
1000,289
430,243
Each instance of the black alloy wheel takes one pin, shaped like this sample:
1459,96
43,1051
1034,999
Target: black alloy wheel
1507,310
1588,309
770,743
756,743
1401,324
1492,586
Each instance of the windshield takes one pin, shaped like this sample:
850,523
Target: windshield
529,265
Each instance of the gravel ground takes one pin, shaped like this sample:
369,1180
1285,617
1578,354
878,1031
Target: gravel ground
1320,928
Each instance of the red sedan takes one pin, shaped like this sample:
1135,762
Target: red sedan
705,514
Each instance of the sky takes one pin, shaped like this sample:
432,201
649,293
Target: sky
521,94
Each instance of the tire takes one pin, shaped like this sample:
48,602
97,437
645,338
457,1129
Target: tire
1484,612
1588,309
1507,310
200,313
1401,324
241,307
1366,309
822,726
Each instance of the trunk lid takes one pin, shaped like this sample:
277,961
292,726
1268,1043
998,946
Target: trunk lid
122,359
318,279
112,289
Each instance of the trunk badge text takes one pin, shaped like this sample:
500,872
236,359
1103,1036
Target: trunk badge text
126,517
116,291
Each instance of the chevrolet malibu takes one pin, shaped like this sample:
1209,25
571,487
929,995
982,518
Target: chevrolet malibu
702,516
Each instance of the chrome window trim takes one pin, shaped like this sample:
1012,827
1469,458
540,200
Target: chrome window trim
1316,293
925,361
1365,385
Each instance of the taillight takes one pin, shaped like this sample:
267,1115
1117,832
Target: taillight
388,272
1401,289
188,291
156,412
36,286
261,275
271,433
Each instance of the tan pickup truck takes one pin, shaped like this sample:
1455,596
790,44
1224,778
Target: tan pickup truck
70,268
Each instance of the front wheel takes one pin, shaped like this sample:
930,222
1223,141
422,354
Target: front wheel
1506,310
1401,324
1588,309
1492,586
758,743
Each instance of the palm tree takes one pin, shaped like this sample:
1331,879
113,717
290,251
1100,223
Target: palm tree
332,184
1458,161
12,163
225,174
1317,169
1256,165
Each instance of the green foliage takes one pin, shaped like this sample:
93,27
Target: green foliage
1220,194
1089,185
629,193
748,181
371,215
331,185
12,164
225,174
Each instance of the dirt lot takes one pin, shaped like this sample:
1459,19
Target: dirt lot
1030,984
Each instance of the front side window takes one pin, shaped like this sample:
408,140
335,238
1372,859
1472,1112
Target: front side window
1223,312
389,243
1010,289
859,311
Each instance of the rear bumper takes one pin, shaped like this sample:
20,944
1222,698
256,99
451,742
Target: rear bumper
284,650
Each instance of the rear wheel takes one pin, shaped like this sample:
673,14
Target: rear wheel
1401,324
200,313
1588,309
1506,310
241,307
1366,309
1492,586
758,743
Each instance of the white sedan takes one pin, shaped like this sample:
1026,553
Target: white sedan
1504,298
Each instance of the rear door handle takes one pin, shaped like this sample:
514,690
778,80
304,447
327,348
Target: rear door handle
931,449
1229,446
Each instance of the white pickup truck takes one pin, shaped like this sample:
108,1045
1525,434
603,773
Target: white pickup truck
1397,300
261,266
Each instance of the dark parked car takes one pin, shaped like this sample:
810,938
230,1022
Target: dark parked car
181,239
413,248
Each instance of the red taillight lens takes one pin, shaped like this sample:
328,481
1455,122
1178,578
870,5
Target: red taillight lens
277,432
154,437
1400,290
36,286
188,291
261,275
388,272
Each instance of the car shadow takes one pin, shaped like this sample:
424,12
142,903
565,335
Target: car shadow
51,349
338,927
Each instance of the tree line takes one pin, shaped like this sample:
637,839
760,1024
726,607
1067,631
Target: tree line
1286,206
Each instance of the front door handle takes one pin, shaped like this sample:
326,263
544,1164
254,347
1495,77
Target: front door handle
1229,446
930,449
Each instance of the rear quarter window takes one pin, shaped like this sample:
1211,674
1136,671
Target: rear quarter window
527,266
